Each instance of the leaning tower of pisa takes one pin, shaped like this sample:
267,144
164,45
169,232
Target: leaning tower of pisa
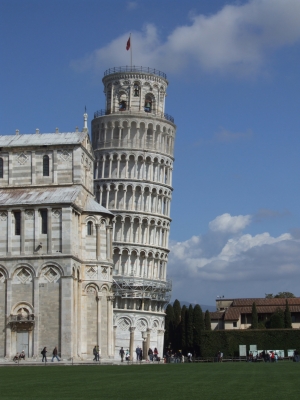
133,139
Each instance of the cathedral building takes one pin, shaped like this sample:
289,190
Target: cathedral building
55,248
133,140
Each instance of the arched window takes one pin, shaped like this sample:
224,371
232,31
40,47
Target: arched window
148,104
46,166
1,167
136,90
90,228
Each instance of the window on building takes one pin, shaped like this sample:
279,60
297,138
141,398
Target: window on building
46,166
234,324
136,90
122,105
148,104
1,167
89,228
17,215
44,218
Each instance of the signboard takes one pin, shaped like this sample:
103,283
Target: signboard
243,350
253,348
291,352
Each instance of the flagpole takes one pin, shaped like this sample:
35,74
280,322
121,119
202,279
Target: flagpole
130,52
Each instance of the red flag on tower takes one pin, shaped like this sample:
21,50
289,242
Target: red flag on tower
128,44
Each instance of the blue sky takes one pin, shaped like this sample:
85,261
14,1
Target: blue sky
233,71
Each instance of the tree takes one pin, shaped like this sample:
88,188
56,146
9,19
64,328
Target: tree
284,295
254,317
177,318
207,321
183,328
198,328
177,312
287,316
189,328
169,325
280,295
277,319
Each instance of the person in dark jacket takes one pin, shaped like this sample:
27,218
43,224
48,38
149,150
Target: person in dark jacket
122,354
54,354
44,353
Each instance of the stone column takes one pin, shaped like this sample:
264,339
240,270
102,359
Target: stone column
110,300
110,165
116,197
148,343
160,342
97,169
107,197
139,240
84,326
101,194
22,237
145,350
54,167
8,311
36,305
126,168
108,243
66,317
98,242
118,168
49,230
33,174
131,342
114,340
133,200
66,230
103,167
75,310
120,135
9,232
79,324
99,314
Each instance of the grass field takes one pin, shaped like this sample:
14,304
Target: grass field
171,381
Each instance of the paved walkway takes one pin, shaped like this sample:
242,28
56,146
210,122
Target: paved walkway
31,362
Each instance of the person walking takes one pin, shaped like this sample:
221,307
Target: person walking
98,353
95,353
44,353
150,354
55,354
122,354
138,352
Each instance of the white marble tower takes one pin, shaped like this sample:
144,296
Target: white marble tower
133,141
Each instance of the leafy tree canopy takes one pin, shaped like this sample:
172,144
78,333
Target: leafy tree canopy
280,295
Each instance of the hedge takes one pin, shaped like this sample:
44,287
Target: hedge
228,341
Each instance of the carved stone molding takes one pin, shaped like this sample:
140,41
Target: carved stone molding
3,216
22,159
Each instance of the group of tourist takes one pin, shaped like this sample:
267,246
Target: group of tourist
54,354
152,354
19,356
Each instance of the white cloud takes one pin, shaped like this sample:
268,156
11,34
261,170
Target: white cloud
227,223
244,264
237,39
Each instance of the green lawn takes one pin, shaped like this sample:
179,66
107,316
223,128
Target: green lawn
171,381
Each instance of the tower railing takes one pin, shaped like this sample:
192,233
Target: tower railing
101,113
134,68
137,144
136,287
